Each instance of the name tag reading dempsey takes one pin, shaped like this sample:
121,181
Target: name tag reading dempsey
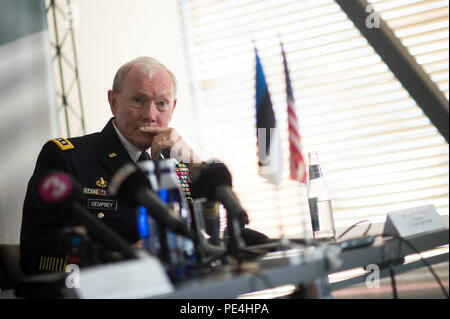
413,221
104,204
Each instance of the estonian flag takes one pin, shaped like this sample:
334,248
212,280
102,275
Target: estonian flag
270,152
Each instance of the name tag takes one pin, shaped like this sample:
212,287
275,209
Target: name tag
130,279
413,221
103,204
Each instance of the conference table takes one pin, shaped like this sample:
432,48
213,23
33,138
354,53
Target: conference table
302,264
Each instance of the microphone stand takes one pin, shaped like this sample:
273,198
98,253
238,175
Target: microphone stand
235,242
104,233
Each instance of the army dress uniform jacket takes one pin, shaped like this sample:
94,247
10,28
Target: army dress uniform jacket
92,160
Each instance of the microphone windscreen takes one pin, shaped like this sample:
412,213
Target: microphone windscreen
127,181
56,192
55,187
207,177
253,237
61,195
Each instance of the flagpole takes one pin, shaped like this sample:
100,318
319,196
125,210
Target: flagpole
276,188
284,241
296,160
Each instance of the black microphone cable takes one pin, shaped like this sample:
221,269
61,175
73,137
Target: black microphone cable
425,262
393,283
391,270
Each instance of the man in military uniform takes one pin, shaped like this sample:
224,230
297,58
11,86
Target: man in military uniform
142,101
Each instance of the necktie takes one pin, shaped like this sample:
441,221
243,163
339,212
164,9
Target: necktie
144,157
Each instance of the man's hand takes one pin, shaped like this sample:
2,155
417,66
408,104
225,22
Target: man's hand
169,138
138,244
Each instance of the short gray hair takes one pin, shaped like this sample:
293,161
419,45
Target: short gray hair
147,63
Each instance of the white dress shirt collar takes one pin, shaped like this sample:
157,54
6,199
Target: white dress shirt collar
132,150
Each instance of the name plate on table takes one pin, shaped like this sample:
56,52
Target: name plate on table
140,278
413,221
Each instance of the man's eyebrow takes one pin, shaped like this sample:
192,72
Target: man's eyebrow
138,93
165,95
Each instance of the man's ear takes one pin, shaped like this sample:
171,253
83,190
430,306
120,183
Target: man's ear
112,102
173,109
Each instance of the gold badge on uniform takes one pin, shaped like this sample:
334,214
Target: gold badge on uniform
112,155
101,183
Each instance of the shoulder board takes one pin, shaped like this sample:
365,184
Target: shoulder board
62,143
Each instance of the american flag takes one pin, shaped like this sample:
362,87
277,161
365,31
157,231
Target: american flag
296,162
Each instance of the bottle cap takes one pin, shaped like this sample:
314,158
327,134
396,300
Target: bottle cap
146,166
167,164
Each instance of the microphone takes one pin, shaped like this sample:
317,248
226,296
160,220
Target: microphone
131,186
213,181
252,237
60,195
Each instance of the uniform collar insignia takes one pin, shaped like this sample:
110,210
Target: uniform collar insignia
108,143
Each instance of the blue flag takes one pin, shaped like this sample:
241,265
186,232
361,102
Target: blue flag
270,153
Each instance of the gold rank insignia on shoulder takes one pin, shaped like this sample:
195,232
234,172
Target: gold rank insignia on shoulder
101,183
63,143
112,155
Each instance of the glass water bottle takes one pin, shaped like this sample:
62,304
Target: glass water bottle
319,201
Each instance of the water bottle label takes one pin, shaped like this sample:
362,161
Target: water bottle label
142,222
314,212
164,195
314,172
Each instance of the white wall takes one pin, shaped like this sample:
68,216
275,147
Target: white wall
112,32
27,105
